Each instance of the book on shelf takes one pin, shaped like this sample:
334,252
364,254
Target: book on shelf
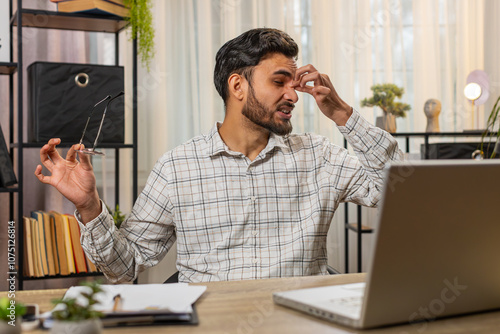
119,2
35,246
99,7
90,265
53,236
49,244
7,175
52,246
78,253
42,250
69,247
29,269
60,242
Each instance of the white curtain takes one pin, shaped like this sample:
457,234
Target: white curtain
426,46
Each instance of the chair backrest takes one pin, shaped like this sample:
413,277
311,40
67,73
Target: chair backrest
175,276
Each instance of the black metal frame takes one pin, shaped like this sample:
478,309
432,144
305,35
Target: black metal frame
113,25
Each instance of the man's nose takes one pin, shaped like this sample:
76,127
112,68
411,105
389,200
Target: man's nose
291,94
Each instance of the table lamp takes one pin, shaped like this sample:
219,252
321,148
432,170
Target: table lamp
477,91
472,92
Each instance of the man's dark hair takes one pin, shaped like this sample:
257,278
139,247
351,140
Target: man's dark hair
241,54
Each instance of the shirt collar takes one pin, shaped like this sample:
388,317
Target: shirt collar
218,146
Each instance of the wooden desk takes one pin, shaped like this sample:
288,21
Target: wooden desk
247,307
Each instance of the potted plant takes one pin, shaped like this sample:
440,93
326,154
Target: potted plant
118,216
75,317
492,119
10,316
141,22
383,97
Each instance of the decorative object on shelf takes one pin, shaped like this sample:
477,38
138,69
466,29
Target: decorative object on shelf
432,109
383,97
10,316
492,119
118,216
476,90
4,32
7,175
72,316
60,96
96,7
141,21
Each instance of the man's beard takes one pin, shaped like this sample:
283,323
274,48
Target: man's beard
259,114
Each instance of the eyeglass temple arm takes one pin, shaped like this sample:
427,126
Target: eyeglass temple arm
103,115
90,116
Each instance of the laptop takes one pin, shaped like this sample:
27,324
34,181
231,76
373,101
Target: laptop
436,252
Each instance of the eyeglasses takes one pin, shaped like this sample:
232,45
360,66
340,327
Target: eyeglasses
92,150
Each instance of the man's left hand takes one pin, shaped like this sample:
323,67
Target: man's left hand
329,102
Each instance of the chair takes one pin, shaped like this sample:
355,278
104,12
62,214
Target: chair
175,277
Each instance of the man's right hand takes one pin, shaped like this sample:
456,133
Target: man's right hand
74,179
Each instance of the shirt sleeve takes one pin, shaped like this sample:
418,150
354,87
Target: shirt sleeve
362,175
143,239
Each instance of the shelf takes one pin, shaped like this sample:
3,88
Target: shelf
67,145
9,190
364,228
43,19
29,278
477,133
8,68
69,21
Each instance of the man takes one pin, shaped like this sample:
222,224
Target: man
248,200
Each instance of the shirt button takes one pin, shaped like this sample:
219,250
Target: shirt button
255,261
253,198
255,232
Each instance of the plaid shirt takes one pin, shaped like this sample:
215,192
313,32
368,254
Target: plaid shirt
234,218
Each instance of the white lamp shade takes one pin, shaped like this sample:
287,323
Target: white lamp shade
481,78
472,91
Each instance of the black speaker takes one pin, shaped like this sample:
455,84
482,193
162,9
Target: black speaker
61,96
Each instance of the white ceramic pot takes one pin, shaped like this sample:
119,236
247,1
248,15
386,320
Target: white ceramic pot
5,328
90,326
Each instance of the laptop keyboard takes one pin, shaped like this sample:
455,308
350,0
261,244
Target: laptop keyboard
348,304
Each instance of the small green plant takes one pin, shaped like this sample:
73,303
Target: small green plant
118,216
383,97
492,119
10,311
73,311
141,21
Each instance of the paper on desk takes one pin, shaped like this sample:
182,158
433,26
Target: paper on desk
175,298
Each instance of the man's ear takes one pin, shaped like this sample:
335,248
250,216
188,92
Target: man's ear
237,85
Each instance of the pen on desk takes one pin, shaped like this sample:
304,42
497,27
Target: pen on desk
117,303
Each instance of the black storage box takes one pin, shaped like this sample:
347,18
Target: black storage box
455,150
61,96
